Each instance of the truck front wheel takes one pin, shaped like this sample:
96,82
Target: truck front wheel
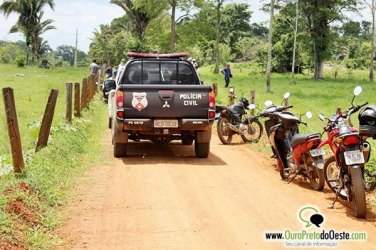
202,149
120,149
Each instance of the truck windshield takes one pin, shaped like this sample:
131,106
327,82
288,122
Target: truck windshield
160,72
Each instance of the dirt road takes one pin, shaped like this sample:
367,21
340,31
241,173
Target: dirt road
162,197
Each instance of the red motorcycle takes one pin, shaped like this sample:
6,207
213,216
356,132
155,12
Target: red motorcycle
345,169
297,154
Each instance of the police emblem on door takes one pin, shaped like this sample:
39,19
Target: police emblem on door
139,101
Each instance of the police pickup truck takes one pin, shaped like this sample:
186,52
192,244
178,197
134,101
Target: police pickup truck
160,98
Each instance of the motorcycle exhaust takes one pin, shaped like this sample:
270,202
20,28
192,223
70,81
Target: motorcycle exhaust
235,129
366,148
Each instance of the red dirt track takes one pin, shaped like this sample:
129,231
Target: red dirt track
162,197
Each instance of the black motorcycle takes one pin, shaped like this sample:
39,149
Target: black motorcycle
107,86
234,120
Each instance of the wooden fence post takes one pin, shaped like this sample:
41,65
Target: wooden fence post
83,93
89,89
231,95
13,130
48,116
77,100
68,112
253,98
215,89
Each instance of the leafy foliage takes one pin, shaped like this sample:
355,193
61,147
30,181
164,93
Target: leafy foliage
29,23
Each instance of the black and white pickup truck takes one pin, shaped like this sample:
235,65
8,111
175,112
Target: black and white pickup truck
160,98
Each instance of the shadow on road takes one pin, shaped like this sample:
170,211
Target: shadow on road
172,153
371,216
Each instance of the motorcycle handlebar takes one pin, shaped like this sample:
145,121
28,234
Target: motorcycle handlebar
267,112
286,107
356,108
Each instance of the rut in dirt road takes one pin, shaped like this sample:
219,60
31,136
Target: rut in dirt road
162,197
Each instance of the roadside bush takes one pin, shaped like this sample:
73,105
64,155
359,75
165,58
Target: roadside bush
20,61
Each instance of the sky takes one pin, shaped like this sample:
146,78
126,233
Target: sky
86,16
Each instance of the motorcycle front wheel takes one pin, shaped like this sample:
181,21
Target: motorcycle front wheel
223,131
254,131
358,194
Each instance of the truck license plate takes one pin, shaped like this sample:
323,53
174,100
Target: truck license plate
353,157
317,152
166,124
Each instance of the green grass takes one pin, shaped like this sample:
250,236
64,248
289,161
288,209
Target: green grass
322,96
32,87
51,172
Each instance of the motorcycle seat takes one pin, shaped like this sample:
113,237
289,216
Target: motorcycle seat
300,138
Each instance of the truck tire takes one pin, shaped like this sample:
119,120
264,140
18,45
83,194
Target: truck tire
202,149
120,150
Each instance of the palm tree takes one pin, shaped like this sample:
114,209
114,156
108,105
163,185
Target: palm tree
139,16
29,14
38,30
42,49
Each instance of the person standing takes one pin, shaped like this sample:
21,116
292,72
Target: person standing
94,67
227,73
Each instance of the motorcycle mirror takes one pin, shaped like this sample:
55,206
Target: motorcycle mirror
321,117
268,103
251,106
286,95
232,90
309,114
357,90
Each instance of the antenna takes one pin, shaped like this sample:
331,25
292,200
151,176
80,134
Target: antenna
75,50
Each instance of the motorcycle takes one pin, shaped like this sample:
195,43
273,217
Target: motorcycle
297,154
234,120
345,169
106,87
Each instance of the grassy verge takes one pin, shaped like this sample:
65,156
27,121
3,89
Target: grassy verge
31,89
28,203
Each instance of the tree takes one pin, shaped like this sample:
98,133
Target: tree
184,5
295,35
38,46
372,5
259,30
100,48
319,14
218,6
28,12
65,53
270,37
351,28
9,52
140,13
235,24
